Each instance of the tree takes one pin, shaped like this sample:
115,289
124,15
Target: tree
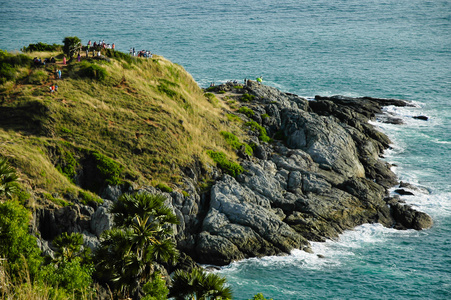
71,45
8,179
199,285
141,237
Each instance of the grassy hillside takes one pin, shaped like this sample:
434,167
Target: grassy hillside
113,119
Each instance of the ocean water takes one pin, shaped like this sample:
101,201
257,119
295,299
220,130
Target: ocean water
380,48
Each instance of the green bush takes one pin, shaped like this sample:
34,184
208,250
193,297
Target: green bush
235,143
231,139
265,116
247,98
108,168
164,188
254,126
247,111
231,168
17,244
42,47
92,71
67,164
71,276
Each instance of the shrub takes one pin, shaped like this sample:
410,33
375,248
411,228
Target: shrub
67,164
185,194
265,116
92,71
254,126
247,98
8,179
247,111
68,275
164,188
231,139
17,244
235,143
42,47
231,168
108,168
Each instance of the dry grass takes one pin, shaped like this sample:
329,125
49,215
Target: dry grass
149,116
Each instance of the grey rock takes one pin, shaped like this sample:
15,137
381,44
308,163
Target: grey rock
102,219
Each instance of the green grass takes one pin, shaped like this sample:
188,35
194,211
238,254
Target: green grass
164,188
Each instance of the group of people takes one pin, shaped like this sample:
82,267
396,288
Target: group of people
53,88
40,62
100,45
142,53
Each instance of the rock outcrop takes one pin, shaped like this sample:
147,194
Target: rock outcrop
321,174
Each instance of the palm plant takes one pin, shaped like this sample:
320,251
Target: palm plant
141,237
8,179
199,285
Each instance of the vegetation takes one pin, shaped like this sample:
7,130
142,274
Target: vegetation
235,143
247,98
113,121
163,187
42,47
141,238
246,111
72,44
254,126
200,285
230,167
212,99
8,179
11,66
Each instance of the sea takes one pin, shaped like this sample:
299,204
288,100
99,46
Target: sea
380,48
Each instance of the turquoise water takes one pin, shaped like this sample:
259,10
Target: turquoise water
379,48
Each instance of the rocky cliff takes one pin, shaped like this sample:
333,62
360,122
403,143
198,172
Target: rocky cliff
321,174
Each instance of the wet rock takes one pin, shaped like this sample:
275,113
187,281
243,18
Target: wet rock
424,118
403,192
